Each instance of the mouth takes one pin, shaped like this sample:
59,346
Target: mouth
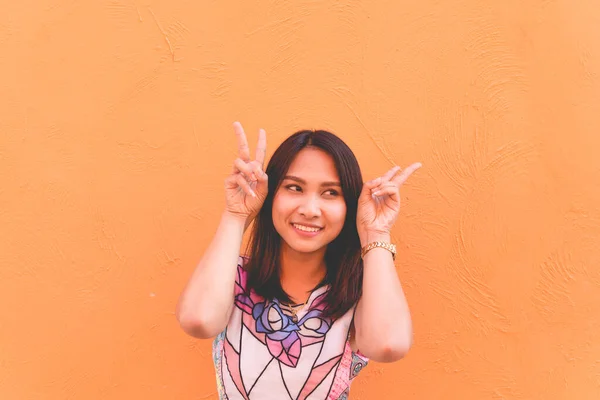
307,230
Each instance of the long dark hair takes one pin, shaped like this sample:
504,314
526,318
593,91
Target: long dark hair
342,257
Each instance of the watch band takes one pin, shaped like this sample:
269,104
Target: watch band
388,246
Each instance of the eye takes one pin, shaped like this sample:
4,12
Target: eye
293,188
332,193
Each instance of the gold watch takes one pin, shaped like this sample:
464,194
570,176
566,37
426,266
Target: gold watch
388,246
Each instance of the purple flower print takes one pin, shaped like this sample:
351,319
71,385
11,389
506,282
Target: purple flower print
281,333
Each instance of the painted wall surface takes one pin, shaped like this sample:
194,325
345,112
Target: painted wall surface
115,139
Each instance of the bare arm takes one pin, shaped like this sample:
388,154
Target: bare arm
382,321
205,305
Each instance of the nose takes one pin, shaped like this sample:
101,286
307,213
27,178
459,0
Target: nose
310,207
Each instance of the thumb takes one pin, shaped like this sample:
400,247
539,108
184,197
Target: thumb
368,186
367,189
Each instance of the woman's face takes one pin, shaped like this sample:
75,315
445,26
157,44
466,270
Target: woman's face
309,208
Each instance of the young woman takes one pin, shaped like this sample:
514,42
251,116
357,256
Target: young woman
317,294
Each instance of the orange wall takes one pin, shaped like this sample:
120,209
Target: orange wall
115,138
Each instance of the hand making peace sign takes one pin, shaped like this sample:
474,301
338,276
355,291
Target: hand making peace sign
246,188
379,201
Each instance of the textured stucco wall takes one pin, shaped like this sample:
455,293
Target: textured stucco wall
115,138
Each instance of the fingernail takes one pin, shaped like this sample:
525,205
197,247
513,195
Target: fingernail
253,194
254,177
376,193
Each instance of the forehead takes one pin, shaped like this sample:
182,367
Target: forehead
313,164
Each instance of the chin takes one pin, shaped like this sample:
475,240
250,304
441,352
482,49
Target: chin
305,248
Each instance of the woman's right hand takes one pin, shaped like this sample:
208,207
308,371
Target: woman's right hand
247,186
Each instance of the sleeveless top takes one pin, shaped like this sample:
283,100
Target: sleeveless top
263,354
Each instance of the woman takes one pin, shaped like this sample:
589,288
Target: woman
317,295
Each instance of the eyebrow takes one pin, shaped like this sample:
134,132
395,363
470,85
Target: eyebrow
302,181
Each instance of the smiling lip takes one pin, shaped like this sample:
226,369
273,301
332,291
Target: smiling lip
307,230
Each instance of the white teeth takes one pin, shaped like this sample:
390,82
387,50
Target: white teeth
306,228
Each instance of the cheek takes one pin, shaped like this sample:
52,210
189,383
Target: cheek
337,214
275,209
280,201
280,209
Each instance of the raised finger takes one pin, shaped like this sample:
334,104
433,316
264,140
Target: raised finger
243,149
383,185
261,147
244,185
403,176
388,175
369,185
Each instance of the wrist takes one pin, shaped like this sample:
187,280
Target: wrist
234,219
374,236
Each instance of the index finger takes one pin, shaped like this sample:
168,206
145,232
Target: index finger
261,148
243,149
403,176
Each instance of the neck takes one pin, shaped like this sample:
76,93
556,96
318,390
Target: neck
301,272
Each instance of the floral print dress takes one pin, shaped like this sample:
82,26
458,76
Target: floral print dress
263,354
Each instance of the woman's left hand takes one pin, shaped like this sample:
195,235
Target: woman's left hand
379,203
